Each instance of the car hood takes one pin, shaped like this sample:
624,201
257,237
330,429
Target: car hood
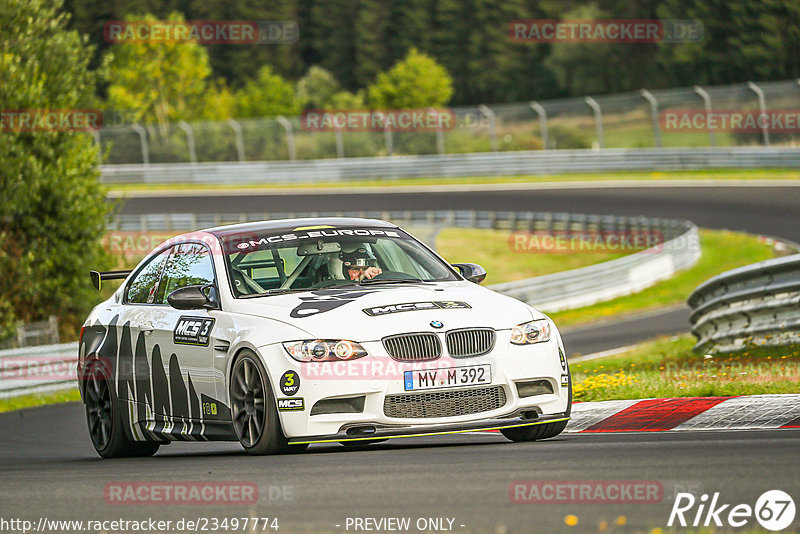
370,313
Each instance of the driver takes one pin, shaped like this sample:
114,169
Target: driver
358,265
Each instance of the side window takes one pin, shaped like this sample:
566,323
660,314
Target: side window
142,289
189,265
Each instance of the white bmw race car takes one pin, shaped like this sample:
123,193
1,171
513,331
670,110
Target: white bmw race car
283,333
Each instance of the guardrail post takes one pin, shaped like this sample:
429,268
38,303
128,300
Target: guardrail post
598,119
287,127
489,114
707,104
537,107
762,106
439,132
339,143
653,115
237,131
189,140
96,135
142,142
387,134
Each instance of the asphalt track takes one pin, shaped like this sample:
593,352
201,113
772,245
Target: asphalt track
615,333
49,469
760,209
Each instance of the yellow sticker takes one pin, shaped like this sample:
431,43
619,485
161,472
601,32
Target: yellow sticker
320,227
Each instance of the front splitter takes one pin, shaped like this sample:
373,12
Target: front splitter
383,432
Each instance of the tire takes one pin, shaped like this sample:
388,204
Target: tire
105,419
253,409
543,431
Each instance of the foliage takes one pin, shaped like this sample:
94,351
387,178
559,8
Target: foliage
347,100
161,82
356,40
268,95
317,88
415,82
53,209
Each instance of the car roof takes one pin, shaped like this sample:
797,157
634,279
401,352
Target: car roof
293,224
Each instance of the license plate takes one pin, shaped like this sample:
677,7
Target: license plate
448,377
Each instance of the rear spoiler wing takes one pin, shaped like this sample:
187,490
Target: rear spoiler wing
99,276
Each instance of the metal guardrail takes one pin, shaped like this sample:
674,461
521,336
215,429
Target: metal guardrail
538,162
749,306
29,370
37,333
498,220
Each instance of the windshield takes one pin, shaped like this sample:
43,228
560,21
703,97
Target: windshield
273,262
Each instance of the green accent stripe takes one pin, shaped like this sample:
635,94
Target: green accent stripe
429,433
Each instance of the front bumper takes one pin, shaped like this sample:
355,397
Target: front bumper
383,432
510,366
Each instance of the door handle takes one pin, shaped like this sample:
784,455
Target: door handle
147,328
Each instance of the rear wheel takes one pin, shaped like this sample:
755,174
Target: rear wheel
105,420
255,416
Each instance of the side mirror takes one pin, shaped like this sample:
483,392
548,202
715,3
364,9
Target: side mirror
471,271
193,298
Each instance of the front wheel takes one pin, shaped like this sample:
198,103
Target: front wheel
255,415
104,418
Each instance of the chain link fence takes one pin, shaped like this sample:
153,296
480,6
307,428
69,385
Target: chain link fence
629,120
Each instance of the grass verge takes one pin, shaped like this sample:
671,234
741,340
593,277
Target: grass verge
722,250
716,174
39,399
667,367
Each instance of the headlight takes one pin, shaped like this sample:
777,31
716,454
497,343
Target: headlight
531,332
324,350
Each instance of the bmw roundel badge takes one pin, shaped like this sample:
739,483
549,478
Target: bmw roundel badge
437,324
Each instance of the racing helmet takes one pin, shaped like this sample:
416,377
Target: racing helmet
359,257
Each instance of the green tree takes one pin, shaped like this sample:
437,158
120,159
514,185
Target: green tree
52,208
416,81
267,95
316,88
160,82
347,100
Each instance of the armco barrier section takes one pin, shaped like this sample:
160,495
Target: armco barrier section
537,162
750,306
28,370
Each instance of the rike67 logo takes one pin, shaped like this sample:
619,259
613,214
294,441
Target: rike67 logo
774,510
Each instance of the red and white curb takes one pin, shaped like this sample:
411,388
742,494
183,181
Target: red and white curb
690,413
